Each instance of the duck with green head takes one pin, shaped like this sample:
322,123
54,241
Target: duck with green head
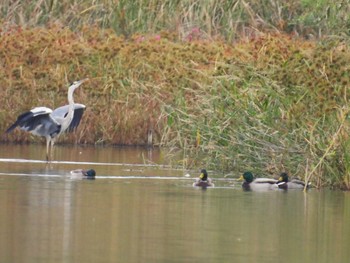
284,183
81,173
203,180
256,184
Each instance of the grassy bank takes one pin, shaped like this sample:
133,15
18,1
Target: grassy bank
266,102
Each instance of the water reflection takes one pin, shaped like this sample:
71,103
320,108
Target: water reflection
53,218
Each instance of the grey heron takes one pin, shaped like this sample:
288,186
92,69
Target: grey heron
42,121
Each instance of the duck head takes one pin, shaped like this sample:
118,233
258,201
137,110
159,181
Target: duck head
89,173
204,175
283,178
247,176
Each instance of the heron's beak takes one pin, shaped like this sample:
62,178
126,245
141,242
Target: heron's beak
83,80
79,82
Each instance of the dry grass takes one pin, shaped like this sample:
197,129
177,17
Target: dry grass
228,19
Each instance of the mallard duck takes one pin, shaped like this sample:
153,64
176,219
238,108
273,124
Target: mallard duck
258,183
81,173
203,180
284,183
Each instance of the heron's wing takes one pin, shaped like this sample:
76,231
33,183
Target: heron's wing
78,114
62,112
37,121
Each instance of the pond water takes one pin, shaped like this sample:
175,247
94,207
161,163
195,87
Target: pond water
134,212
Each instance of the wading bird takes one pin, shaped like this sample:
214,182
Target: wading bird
42,121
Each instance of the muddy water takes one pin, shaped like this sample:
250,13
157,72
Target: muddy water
138,211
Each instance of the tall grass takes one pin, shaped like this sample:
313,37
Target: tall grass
287,112
229,19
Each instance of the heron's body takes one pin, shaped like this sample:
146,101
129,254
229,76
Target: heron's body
42,121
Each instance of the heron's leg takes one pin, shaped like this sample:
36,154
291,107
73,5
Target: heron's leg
51,151
48,140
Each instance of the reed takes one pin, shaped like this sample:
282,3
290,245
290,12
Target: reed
228,19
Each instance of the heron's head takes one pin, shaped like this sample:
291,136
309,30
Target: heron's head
77,83
204,175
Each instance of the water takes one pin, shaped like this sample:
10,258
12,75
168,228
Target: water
139,213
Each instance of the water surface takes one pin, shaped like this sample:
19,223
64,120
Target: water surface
133,212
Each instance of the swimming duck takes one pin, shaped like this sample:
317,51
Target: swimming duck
203,180
81,173
284,183
257,184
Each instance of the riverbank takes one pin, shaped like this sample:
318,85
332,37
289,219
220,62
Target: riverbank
266,102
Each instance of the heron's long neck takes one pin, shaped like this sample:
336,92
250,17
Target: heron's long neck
68,119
